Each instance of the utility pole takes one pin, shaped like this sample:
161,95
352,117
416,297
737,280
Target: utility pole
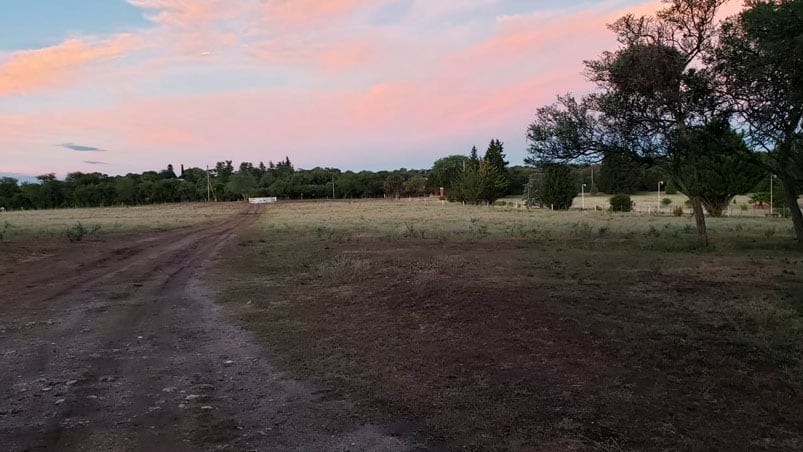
208,184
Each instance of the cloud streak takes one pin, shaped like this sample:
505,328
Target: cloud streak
81,148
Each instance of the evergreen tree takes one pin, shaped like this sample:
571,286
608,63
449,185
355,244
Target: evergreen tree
495,156
711,164
494,184
619,174
557,186
474,158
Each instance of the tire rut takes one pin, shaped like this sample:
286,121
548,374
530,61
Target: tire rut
134,355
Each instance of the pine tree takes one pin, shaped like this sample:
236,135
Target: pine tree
495,156
473,158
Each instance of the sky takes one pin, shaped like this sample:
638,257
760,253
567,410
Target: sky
119,86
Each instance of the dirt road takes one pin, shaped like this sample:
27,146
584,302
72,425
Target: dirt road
118,345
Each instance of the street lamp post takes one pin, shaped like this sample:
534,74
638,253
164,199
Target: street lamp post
659,195
772,206
583,196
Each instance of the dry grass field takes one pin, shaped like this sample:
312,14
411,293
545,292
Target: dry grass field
114,219
650,202
506,329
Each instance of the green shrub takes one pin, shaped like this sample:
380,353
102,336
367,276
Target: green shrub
621,203
78,231
4,229
558,187
666,201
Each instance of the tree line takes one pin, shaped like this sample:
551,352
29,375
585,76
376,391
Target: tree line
225,182
714,105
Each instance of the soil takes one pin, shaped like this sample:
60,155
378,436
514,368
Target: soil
117,344
501,344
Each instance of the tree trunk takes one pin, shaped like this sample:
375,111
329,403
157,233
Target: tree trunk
699,218
790,191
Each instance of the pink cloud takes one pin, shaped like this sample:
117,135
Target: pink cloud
29,70
298,11
330,56
348,54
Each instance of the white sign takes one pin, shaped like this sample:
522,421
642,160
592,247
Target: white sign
262,200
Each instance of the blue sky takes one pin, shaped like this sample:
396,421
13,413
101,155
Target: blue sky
28,24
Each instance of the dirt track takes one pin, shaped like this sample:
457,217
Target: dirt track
119,346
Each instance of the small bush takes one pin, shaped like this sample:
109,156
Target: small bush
78,231
411,232
4,229
677,211
476,229
666,201
621,203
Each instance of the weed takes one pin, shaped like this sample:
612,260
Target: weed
582,230
324,233
78,231
476,229
411,232
652,232
4,230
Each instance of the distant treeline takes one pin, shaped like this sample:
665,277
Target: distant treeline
224,182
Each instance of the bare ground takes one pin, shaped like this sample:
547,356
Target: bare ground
118,345
508,344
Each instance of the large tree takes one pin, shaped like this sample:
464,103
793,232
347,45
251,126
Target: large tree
760,62
446,171
708,163
242,185
652,88
619,174
393,185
